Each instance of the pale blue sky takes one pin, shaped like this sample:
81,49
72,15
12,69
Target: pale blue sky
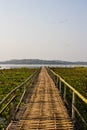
44,29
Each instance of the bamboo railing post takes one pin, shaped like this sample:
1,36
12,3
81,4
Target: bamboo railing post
55,79
73,104
60,85
57,82
64,96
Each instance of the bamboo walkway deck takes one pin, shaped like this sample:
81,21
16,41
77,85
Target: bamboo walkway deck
45,110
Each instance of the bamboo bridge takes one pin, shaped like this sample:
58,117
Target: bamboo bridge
42,106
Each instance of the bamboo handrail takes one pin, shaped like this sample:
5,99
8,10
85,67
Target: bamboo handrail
9,94
74,90
58,80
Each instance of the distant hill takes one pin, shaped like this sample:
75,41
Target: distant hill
38,61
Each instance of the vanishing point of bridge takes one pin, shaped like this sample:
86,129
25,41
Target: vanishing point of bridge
45,109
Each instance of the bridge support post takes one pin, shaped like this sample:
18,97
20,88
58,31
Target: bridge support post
60,86
57,82
73,104
64,96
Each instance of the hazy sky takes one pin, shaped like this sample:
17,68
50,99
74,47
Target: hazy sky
44,29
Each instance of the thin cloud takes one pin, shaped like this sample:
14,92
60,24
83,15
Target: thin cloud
62,21
58,21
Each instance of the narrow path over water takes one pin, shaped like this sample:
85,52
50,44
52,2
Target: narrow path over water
45,110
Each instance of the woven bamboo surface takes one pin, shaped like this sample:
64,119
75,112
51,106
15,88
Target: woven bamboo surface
45,110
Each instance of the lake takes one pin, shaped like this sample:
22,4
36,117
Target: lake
8,66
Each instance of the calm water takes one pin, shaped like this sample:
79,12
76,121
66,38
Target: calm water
8,66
